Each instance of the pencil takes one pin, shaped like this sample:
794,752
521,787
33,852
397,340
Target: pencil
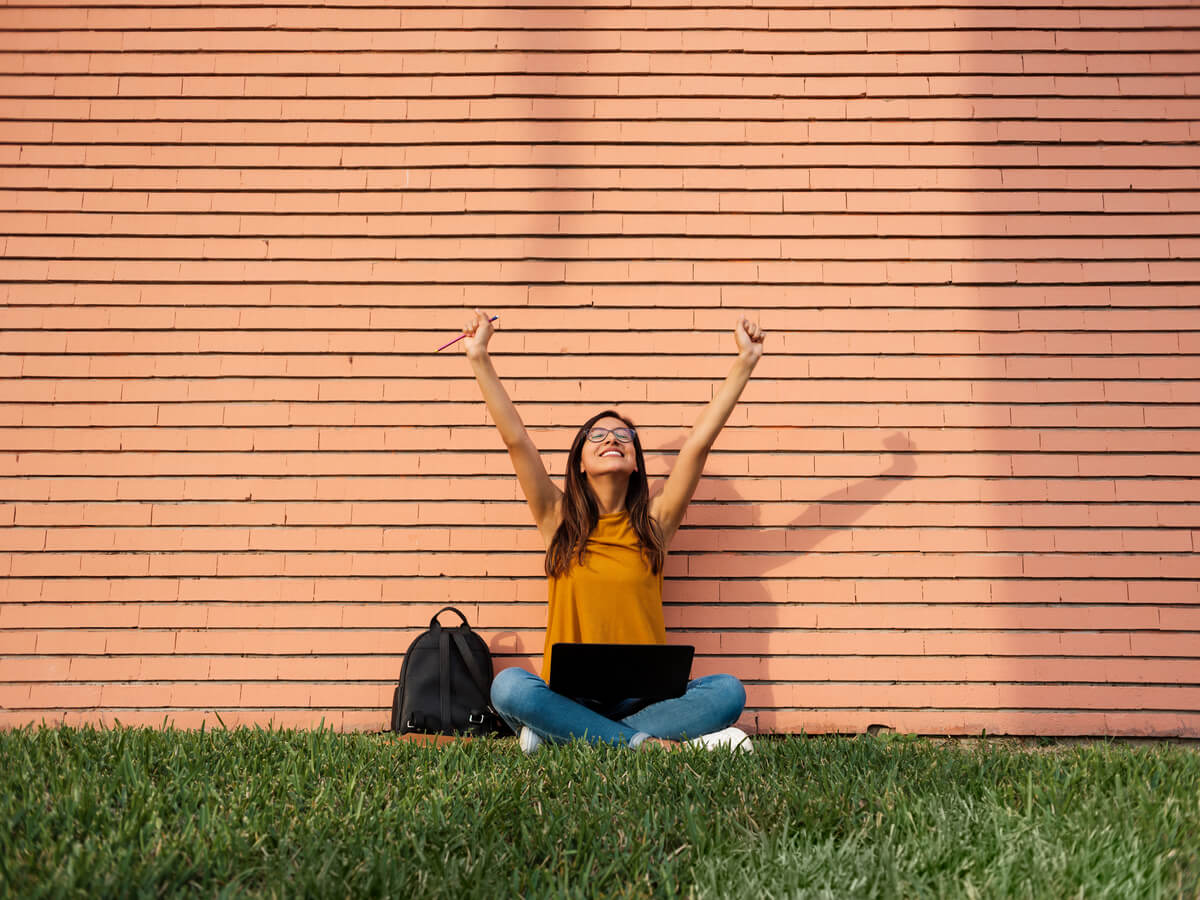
460,337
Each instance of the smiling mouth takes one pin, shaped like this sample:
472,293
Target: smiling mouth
612,453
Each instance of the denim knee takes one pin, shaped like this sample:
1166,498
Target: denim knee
509,689
730,695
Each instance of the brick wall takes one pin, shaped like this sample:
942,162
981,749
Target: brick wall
960,492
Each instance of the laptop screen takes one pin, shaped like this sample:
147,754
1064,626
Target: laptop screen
613,672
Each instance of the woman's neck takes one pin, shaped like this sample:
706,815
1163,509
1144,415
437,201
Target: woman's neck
610,494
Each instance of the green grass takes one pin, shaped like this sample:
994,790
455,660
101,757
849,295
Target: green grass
228,813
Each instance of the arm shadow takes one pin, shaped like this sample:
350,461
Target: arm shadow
863,495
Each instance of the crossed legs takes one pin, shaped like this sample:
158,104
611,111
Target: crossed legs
709,704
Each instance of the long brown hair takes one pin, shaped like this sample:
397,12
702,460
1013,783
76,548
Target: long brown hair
581,510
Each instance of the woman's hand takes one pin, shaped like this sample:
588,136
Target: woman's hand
749,339
478,332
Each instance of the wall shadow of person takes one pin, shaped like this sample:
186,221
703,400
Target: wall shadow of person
702,618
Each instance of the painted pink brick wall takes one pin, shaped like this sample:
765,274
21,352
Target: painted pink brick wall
960,493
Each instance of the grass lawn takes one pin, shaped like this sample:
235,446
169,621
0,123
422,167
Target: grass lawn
226,813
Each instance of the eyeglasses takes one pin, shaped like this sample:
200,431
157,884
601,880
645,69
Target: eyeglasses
624,435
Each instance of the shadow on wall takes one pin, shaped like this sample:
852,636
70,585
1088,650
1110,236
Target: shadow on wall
751,650
505,643
561,154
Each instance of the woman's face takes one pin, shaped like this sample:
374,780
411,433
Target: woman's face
608,456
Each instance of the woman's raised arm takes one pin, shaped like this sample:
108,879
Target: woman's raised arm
668,508
542,495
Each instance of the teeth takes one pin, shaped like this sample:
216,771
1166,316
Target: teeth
612,453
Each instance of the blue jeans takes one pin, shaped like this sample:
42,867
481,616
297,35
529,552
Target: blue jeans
710,704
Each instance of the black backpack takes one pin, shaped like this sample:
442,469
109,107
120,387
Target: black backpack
445,684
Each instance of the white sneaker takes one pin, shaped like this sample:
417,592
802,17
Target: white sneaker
732,737
529,740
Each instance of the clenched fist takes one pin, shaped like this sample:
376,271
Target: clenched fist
479,331
749,339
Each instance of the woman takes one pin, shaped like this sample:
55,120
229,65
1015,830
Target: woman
606,543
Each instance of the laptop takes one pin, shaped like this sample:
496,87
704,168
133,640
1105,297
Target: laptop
611,672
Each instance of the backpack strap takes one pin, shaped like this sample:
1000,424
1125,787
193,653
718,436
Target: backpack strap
472,664
444,675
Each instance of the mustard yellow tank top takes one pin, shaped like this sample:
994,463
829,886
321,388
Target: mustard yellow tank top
612,598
